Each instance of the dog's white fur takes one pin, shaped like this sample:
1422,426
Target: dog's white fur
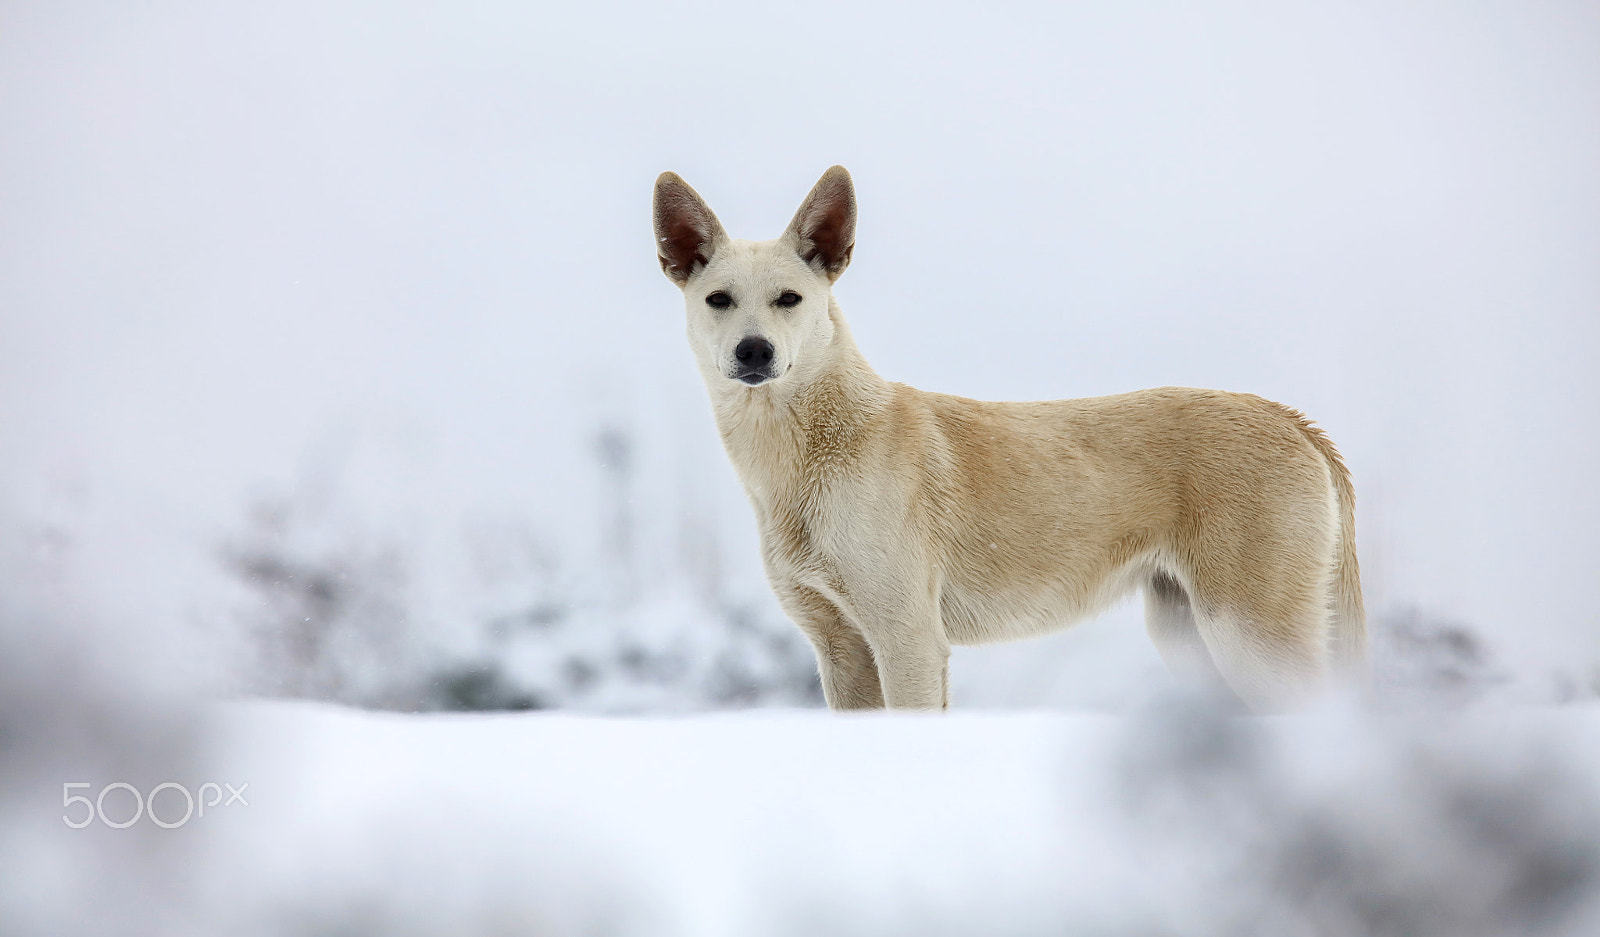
895,522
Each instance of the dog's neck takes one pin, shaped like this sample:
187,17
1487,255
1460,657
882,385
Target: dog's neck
800,432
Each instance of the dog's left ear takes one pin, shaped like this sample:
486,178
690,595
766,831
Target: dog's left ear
824,229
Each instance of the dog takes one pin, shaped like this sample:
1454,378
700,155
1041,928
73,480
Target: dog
896,522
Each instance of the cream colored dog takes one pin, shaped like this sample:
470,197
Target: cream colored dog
895,522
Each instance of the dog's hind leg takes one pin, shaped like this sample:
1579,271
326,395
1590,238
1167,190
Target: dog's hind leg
845,663
1272,654
1169,619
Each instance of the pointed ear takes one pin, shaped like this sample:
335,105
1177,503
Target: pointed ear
824,229
687,233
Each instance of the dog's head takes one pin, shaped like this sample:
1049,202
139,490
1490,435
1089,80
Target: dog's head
758,310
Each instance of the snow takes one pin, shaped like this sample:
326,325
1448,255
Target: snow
1174,819
714,823
324,284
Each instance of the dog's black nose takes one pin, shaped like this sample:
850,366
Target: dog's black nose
753,353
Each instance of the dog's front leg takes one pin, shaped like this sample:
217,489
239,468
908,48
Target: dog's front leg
849,673
844,660
913,659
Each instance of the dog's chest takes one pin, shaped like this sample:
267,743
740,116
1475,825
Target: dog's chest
803,469
820,538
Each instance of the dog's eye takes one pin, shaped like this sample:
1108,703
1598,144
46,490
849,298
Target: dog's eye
719,300
789,298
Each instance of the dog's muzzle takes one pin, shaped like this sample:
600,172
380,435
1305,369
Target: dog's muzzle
752,361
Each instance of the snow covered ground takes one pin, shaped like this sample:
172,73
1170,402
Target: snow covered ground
300,308
1175,819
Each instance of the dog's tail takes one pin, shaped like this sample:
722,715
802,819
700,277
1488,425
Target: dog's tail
1348,640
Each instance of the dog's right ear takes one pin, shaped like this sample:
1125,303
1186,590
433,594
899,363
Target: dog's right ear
687,233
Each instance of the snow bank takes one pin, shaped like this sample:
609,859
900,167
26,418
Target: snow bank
1178,820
